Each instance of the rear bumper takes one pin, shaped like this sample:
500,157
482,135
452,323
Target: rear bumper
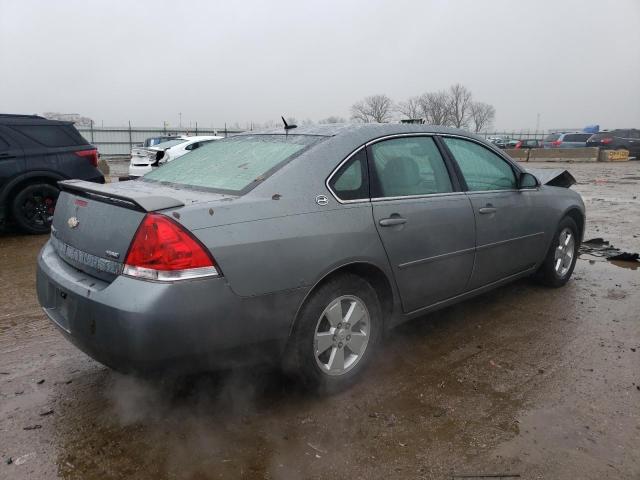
136,325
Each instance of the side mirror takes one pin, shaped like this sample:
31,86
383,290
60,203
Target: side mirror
527,180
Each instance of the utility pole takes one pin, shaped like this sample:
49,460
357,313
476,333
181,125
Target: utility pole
180,119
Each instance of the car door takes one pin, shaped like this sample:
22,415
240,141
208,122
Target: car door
510,231
11,157
425,222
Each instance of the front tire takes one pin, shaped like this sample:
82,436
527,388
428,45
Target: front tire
337,331
561,258
32,208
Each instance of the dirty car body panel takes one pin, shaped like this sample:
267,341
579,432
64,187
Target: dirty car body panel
279,236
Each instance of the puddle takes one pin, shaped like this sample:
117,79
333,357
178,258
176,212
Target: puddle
624,264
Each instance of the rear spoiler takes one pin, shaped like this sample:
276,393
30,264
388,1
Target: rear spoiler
132,200
553,177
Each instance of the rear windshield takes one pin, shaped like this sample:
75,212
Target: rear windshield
552,138
150,142
232,164
52,135
577,137
169,143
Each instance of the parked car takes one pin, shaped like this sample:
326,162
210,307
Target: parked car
35,153
529,143
620,139
300,247
150,142
566,140
143,160
500,142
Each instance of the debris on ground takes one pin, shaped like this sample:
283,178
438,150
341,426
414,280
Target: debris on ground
40,382
599,247
46,412
24,458
32,427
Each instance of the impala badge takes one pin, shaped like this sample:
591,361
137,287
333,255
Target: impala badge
112,254
73,222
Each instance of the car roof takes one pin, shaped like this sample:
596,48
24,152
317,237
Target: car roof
195,138
366,129
15,119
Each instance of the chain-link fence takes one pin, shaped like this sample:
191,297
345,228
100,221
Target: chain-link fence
117,141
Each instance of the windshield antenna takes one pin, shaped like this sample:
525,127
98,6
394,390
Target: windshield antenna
287,126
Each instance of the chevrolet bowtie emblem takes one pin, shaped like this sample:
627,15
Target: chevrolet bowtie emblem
73,222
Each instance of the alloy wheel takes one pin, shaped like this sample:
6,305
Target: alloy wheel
342,335
565,251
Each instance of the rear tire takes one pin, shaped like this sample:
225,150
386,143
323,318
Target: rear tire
32,208
561,258
336,334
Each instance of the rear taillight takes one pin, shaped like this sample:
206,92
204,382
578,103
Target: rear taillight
606,140
164,250
91,155
556,143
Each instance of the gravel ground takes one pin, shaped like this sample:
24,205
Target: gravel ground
523,381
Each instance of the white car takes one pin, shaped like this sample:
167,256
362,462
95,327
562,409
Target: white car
143,160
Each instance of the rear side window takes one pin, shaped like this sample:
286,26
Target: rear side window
351,181
482,169
51,135
552,138
232,164
409,166
576,137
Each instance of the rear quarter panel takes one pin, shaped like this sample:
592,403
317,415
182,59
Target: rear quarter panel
283,253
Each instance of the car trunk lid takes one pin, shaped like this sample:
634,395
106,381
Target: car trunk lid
93,224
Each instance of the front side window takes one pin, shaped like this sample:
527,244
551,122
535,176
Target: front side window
351,181
232,164
482,169
409,166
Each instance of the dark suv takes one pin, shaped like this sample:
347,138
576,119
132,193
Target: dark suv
35,153
620,139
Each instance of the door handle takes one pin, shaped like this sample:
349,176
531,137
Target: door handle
487,209
392,221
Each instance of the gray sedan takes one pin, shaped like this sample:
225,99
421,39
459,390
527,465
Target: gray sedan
300,246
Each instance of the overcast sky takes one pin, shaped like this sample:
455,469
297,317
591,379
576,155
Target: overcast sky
216,62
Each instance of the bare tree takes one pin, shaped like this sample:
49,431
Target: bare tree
482,115
376,108
333,119
459,105
435,108
410,109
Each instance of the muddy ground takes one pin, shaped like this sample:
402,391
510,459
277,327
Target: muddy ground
524,381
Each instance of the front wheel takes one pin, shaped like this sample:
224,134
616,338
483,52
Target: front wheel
33,206
561,258
336,333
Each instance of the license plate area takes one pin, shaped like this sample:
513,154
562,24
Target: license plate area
62,309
